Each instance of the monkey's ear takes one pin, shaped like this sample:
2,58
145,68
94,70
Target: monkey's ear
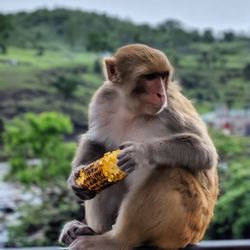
110,70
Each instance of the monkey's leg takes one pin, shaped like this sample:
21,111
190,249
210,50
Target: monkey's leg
169,210
101,212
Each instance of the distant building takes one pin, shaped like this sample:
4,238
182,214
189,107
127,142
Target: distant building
229,121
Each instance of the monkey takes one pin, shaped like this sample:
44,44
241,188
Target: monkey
168,197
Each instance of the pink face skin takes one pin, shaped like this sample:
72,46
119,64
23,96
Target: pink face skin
152,92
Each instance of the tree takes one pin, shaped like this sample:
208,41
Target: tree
228,36
66,84
99,41
39,137
5,27
208,36
37,43
246,71
97,69
170,25
72,31
232,211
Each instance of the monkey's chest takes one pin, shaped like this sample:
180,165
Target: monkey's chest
139,130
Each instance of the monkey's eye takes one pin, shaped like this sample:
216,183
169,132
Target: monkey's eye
151,76
164,75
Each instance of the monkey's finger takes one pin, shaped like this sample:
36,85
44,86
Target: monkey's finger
66,240
125,153
80,192
84,230
121,156
122,161
71,181
72,232
77,188
125,161
77,172
126,144
78,224
128,167
83,194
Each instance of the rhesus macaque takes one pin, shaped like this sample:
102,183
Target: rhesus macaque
168,197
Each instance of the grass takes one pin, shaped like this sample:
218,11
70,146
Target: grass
204,107
26,84
14,77
27,58
92,80
235,62
24,73
189,61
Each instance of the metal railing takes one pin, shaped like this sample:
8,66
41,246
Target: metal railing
221,244
204,245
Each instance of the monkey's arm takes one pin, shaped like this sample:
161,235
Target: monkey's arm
87,152
186,150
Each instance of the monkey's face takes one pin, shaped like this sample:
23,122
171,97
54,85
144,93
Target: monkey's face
142,73
149,93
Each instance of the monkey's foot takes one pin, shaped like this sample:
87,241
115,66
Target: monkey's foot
72,230
96,242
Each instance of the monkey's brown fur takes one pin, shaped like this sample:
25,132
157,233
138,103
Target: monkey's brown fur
169,197
179,215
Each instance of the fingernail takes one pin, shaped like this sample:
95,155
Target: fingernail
120,155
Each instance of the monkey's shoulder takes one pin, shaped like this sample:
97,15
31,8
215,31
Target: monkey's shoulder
104,105
107,93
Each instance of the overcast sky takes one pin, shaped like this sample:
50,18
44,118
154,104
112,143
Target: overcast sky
216,14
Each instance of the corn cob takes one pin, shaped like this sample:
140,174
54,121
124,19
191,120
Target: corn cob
101,173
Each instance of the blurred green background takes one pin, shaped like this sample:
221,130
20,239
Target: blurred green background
51,64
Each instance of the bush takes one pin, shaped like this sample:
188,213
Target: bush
232,212
67,84
246,71
39,137
40,225
233,208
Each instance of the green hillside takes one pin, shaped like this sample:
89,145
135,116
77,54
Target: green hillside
58,80
50,60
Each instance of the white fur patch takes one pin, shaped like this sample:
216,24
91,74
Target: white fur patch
119,126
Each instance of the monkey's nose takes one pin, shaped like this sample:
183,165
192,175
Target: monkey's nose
159,95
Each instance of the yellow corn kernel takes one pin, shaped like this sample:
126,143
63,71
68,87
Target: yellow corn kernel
101,173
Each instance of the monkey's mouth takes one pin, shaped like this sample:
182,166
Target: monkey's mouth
155,109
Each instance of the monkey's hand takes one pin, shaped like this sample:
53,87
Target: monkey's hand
72,230
132,156
81,193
